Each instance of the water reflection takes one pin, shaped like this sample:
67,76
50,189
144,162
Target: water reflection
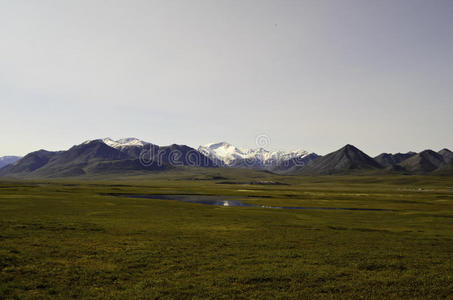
221,201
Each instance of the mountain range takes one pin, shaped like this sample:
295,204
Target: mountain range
105,156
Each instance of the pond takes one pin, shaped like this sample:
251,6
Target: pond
227,201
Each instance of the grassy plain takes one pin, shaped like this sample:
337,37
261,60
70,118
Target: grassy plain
73,238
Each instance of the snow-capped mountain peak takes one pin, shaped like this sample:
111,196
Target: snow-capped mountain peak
125,142
223,151
226,154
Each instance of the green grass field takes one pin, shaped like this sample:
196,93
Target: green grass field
73,238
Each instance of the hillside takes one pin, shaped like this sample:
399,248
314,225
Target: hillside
388,159
447,155
424,162
28,163
344,160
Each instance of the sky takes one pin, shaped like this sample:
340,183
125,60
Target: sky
312,75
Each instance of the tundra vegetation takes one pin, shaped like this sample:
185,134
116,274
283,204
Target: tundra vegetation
84,238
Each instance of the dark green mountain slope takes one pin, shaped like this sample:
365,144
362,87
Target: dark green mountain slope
29,163
76,159
347,159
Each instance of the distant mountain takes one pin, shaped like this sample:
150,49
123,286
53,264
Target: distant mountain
80,157
104,156
447,155
286,166
388,159
175,155
131,146
29,162
151,154
6,160
424,162
346,160
227,155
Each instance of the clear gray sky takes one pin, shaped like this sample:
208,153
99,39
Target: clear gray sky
308,74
